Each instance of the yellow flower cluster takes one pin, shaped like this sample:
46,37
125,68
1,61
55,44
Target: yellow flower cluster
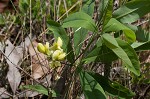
55,52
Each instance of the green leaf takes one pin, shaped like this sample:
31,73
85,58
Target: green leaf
23,5
115,26
110,41
141,46
131,54
80,19
102,8
137,44
58,31
79,36
2,22
36,8
112,88
122,53
37,88
124,57
142,35
100,54
108,13
132,11
91,88
88,7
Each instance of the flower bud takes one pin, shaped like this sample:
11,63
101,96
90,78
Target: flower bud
59,42
61,56
47,51
54,47
41,48
57,45
56,54
46,46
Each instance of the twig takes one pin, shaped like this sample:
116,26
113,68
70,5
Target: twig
69,10
65,5
144,92
143,22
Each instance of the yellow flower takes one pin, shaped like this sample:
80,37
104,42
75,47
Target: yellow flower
44,48
58,55
59,42
61,56
41,48
47,51
55,64
54,47
57,45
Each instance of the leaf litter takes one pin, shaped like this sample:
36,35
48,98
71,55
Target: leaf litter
12,58
39,62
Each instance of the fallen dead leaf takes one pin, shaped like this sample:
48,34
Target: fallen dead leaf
12,57
38,60
26,43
